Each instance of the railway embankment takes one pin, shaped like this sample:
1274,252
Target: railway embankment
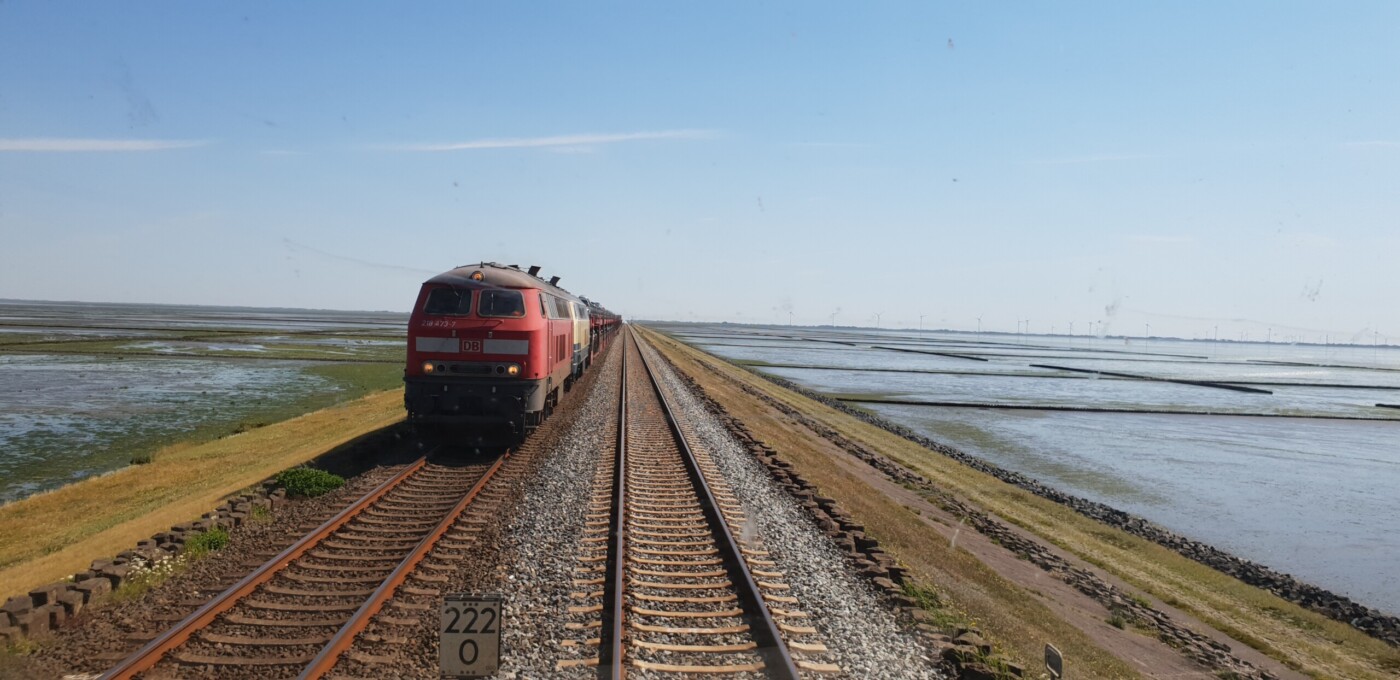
841,577
1338,607
1162,589
93,527
885,553
168,620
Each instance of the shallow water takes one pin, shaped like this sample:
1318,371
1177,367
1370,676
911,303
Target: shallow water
72,408
63,418
1310,496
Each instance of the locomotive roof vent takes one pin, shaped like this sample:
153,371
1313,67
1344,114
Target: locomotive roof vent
534,270
553,280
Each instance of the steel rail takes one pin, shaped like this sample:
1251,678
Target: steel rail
345,637
147,657
611,664
770,641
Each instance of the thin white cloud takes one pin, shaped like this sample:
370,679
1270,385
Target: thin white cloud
578,140
829,145
281,152
71,145
572,149
1373,144
1101,158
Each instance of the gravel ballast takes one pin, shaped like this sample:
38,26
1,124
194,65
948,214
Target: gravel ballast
857,626
542,539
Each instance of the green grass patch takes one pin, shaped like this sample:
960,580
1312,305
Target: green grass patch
206,542
942,615
1117,618
358,379
21,647
756,363
309,482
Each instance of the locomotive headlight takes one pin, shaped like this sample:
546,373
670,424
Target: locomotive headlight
427,367
513,369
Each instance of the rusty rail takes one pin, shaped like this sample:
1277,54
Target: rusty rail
148,656
766,633
610,648
345,637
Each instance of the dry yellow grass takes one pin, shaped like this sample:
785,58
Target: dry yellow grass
1017,621
47,537
1301,639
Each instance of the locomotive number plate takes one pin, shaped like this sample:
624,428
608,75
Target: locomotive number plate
471,346
470,643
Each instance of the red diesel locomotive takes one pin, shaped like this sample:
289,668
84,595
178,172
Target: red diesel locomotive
494,345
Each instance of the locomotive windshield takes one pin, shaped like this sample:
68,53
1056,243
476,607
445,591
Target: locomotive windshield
501,303
456,301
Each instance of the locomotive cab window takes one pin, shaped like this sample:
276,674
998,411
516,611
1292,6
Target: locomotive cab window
504,303
454,301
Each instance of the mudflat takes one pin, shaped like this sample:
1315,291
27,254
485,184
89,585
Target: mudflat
48,536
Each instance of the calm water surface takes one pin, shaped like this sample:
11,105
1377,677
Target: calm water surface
1312,496
83,385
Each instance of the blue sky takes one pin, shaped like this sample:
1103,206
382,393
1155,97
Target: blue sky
1184,165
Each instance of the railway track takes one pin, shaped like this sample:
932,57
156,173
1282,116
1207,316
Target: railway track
350,596
669,581
294,614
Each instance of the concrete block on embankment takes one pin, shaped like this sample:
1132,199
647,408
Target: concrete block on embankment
35,623
115,574
47,594
93,588
16,607
73,601
49,617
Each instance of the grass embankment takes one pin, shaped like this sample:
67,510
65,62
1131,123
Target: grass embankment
351,381
1301,639
47,537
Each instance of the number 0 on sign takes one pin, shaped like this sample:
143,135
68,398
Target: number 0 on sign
470,641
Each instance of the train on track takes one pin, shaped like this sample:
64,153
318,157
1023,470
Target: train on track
493,346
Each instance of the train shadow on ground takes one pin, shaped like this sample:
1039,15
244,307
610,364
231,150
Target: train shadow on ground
455,446
392,445
401,443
